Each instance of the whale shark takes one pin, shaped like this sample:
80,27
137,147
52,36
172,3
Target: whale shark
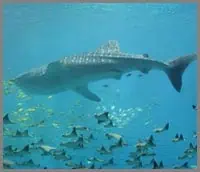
75,72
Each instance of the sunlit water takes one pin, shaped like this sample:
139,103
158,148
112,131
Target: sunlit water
35,34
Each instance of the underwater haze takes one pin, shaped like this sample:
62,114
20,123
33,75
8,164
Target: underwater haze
142,121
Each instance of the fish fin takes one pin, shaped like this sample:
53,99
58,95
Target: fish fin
176,136
181,137
18,133
99,121
25,132
151,138
185,165
151,162
176,69
166,127
26,148
191,146
6,117
155,165
161,164
85,92
111,47
106,114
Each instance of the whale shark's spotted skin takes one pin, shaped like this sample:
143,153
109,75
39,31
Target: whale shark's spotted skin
77,71
96,58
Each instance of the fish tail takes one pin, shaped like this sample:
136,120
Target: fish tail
176,69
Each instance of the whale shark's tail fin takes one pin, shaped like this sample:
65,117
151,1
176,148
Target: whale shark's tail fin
176,69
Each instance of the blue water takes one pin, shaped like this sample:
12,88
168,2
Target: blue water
36,34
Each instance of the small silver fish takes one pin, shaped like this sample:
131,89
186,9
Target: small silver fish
72,144
134,161
7,164
109,162
113,135
103,150
47,150
156,165
29,163
38,143
159,130
178,138
72,134
62,156
95,159
81,128
22,134
90,137
101,118
109,125
20,152
9,148
119,144
183,166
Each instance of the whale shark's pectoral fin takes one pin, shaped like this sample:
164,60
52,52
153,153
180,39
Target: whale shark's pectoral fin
85,92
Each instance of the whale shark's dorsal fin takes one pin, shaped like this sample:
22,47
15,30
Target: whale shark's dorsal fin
111,47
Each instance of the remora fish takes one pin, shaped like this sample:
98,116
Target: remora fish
76,72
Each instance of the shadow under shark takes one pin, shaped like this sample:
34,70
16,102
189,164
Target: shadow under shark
76,72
